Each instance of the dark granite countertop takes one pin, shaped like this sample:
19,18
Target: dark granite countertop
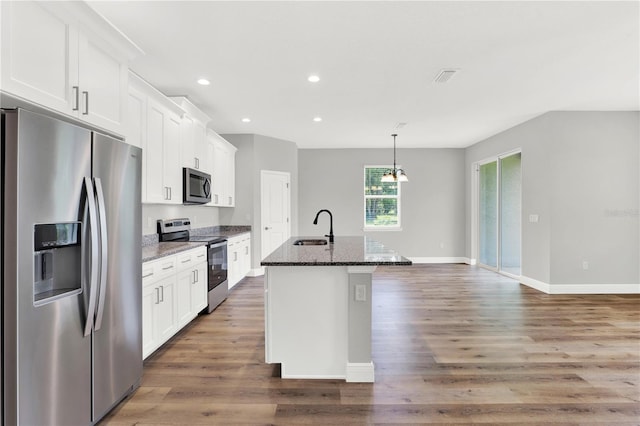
152,249
345,251
158,250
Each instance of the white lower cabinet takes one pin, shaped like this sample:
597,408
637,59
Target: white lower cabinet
239,258
192,287
174,290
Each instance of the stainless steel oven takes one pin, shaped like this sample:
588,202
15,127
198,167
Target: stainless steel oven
178,230
196,186
218,287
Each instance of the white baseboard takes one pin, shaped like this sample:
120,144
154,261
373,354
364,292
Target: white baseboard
580,288
360,372
471,261
535,284
439,259
256,272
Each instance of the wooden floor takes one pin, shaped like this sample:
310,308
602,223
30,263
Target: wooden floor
452,344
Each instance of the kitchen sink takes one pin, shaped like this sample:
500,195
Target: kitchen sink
310,242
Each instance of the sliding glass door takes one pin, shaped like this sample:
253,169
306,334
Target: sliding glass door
489,214
499,219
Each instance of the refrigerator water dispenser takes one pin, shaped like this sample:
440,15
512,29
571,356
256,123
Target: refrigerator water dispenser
57,261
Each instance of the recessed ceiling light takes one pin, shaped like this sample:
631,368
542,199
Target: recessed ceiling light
317,119
204,82
313,78
246,120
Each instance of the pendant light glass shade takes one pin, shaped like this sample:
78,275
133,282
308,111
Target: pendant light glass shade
395,174
388,177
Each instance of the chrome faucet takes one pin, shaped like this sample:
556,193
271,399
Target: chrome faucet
315,222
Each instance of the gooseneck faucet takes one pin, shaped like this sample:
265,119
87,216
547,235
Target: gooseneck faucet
315,222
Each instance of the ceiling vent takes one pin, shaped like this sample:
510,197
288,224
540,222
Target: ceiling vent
399,125
445,75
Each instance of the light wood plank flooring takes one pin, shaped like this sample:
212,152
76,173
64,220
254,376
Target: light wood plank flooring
451,344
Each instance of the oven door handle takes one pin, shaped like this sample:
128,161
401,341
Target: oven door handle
216,245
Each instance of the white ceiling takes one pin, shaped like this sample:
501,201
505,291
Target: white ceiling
377,61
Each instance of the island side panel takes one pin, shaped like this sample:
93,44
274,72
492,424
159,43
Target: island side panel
360,366
306,320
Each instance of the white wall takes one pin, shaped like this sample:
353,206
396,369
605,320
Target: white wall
200,216
256,153
580,175
432,207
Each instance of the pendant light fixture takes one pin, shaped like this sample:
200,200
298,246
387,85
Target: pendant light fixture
395,174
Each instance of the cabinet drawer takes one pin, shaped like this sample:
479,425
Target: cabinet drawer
190,258
158,269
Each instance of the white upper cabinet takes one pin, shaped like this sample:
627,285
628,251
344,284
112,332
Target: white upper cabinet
195,150
66,57
224,171
154,123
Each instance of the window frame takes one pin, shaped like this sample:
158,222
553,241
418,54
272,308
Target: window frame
396,227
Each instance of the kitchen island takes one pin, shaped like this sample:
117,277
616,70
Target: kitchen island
318,307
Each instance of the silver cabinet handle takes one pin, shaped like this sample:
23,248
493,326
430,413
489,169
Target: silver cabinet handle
246,250
197,162
157,289
104,251
76,95
148,275
166,268
170,193
186,261
230,200
266,228
162,293
93,266
216,198
86,102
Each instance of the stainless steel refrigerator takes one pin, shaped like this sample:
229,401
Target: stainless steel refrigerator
71,271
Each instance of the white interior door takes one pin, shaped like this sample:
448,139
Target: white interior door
275,201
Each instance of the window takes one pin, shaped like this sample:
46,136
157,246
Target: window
381,200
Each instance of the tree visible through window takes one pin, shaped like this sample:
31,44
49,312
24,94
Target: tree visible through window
381,199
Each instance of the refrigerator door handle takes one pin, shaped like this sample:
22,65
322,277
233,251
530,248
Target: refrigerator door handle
93,282
104,252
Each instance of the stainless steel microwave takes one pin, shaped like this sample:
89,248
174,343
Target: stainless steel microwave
196,186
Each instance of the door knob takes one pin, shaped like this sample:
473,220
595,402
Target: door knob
266,228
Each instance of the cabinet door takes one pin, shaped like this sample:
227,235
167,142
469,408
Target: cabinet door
136,118
223,193
219,174
39,55
233,261
164,314
199,288
231,176
199,143
246,256
187,127
150,297
183,297
155,190
172,169
103,84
